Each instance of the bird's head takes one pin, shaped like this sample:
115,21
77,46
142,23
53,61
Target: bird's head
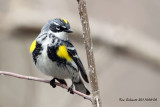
59,27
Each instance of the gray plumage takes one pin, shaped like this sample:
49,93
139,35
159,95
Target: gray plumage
53,35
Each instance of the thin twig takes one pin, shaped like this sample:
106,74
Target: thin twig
44,81
89,51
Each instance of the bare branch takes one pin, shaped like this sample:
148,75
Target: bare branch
89,51
44,81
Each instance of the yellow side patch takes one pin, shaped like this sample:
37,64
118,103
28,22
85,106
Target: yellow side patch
62,52
65,21
33,46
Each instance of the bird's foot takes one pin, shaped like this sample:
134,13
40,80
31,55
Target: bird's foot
52,83
70,89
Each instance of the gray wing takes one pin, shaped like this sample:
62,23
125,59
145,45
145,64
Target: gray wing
73,54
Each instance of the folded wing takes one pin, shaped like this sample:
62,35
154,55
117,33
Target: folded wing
73,54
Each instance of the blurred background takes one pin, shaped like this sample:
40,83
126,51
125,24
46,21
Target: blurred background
126,46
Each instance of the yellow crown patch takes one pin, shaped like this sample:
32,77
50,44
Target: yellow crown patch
65,20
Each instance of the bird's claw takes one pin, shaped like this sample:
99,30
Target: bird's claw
70,89
52,83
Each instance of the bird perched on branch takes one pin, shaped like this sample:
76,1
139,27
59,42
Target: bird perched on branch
54,55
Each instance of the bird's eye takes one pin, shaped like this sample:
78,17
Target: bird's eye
58,28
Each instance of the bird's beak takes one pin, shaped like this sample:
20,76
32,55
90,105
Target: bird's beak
68,31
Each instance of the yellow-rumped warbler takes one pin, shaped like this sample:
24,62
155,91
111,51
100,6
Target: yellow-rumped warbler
54,55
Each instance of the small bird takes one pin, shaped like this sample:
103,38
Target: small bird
54,55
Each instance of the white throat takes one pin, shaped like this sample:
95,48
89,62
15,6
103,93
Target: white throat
62,35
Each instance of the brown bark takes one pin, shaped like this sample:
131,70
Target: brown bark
89,51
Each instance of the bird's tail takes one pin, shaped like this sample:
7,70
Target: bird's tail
79,86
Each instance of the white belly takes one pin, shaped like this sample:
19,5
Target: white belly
48,67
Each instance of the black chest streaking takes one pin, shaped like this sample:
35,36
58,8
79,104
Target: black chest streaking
52,54
36,52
